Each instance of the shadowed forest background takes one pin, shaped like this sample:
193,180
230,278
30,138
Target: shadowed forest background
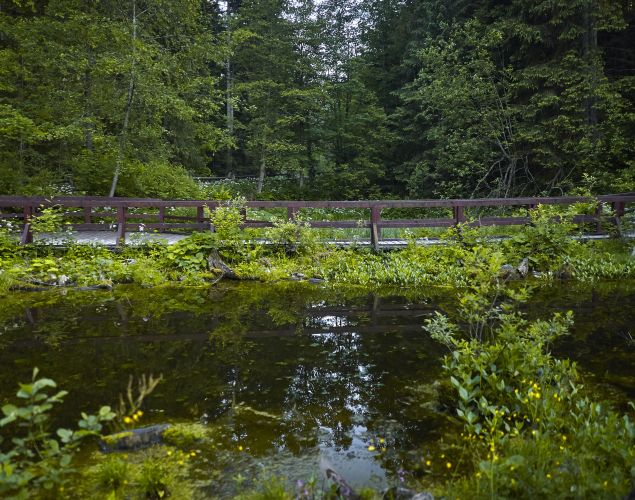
331,99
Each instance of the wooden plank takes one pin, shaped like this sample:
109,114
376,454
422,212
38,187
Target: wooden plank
166,226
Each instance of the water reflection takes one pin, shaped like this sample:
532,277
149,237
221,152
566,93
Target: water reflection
295,374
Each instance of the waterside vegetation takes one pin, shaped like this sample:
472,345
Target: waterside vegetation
544,250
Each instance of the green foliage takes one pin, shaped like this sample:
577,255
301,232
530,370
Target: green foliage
144,272
49,220
113,473
191,253
155,479
158,180
35,459
529,430
546,242
227,219
295,237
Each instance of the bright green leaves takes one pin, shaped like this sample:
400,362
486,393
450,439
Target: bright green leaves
37,459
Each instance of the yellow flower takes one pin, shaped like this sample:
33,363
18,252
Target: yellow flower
428,463
371,448
548,476
140,413
448,465
169,453
240,447
127,420
192,454
382,440
135,417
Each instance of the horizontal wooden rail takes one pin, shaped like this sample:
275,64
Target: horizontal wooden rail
131,214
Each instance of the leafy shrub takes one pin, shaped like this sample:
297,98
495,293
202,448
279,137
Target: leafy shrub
112,473
35,459
227,219
157,180
190,254
295,237
50,220
529,428
546,242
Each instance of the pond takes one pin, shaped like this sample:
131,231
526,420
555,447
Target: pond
293,377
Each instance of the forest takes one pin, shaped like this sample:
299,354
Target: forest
340,99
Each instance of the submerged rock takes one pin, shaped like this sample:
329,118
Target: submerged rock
400,493
523,267
507,271
133,439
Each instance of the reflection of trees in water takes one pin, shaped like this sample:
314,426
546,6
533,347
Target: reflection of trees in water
316,359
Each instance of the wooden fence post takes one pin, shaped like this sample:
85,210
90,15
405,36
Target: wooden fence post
161,215
291,213
598,217
200,214
87,214
121,225
459,214
375,230
27,234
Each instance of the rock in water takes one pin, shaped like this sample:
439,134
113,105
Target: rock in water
133,439
507,271
523,267
400,493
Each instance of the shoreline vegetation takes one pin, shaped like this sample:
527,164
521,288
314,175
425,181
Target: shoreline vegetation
543,250
529,427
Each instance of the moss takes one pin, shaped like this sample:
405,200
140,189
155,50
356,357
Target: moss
187,435
113,439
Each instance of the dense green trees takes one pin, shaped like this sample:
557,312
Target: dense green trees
96,92
348,98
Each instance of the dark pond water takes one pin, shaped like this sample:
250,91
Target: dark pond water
297,375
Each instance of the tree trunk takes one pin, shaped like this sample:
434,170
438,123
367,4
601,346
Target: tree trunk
590,45
88,95
261,174
230,112
129,99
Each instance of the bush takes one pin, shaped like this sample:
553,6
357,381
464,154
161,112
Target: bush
546,242
528,427
157,180
35,459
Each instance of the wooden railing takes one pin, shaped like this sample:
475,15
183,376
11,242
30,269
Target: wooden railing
91,213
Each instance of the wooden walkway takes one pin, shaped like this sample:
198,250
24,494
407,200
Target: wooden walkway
109,239
111,221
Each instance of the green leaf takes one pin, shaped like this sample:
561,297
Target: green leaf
464,394
66,435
